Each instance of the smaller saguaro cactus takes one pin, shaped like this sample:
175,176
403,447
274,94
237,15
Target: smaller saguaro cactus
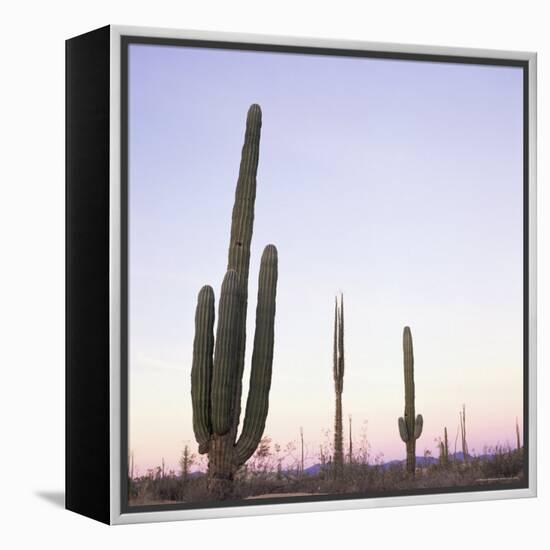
410,426
518,442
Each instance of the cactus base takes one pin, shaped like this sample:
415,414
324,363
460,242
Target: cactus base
220,467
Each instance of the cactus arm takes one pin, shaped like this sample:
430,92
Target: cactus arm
242,221
225,354
403,429
418,426
201,370
262,358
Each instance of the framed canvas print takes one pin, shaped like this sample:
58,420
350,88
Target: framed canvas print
300,274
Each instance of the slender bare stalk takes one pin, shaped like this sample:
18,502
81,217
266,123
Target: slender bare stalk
462,416
350,442
302,445
446,440
444,449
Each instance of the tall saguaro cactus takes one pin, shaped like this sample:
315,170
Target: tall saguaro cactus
218,364
338,374
410,426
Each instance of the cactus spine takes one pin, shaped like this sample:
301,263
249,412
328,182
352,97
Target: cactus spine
338,373
410,426
218,364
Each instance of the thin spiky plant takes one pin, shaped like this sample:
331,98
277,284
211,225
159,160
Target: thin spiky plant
302,451
186,461
462,417
338,375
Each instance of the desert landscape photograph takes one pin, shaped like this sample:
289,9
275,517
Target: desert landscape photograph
325,277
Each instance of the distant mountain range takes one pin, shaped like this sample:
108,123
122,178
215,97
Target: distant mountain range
420,461
314,469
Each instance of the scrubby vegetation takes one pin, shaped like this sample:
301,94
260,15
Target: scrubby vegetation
265,476
504,463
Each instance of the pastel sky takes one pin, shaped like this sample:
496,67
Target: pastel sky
398,183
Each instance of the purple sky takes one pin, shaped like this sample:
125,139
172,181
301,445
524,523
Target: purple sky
396,182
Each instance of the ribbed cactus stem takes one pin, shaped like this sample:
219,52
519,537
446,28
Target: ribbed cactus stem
216,375
262,358
201,370
242,219
410,426
242,223
225,354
